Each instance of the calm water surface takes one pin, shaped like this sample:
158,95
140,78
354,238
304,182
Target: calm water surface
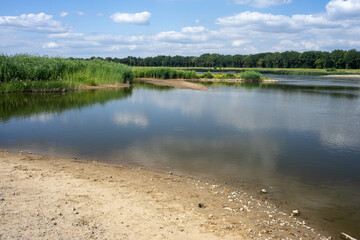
298,138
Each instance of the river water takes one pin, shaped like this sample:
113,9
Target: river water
299,138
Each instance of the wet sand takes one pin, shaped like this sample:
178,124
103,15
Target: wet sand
44,197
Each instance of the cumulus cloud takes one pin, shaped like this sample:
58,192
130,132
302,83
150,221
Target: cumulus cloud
132,18
262,3
340,9
268,22
33,22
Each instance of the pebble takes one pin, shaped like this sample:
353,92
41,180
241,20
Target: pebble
181,230
201,205
264,191
211,215
2,199
295,213
170,173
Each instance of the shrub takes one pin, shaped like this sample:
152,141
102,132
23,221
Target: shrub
250,75
207,75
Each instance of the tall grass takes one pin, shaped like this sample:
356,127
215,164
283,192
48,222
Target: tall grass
20,68
164,73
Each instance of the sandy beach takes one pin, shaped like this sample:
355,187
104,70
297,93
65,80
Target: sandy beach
44,197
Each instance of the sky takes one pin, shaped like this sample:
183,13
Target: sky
142,28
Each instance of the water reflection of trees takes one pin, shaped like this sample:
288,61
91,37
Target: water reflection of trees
22,105
330,90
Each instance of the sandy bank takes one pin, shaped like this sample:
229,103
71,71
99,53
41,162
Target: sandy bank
45,197
105,86
176,83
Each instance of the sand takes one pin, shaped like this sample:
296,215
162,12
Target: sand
44,197
176,83
105,86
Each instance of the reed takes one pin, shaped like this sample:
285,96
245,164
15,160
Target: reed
164,73
35,73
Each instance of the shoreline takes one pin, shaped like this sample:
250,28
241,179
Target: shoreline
344,76
194,84
50,197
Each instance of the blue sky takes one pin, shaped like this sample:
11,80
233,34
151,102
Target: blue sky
144,28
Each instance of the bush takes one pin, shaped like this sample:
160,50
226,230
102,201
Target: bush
207,75
250,75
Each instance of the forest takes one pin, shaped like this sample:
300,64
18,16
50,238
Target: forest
337,59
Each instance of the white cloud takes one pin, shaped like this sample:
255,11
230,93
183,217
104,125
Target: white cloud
238,43
262,3
80,13
32,22
63,14
50,45
340,9
133,18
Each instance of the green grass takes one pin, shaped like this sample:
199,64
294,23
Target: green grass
164,73
35,73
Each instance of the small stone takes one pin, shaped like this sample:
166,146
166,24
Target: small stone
211,216
2,199
264,191
60,214
295,213
55,223
76,212
181,230
201,205
74,209
242,209
224,227
170,173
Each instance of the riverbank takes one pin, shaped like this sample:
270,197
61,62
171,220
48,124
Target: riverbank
49,197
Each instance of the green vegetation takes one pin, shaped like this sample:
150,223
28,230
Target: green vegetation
250,76
282,71
339,59
164,73
28,104
34,73
207,75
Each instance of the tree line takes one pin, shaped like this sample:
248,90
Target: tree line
339,59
